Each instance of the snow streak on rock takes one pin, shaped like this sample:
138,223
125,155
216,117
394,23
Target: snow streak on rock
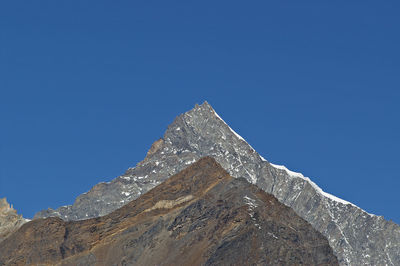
356,237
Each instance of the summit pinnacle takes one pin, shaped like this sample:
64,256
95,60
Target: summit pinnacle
357,237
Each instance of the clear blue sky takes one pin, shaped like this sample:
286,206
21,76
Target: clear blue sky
87,86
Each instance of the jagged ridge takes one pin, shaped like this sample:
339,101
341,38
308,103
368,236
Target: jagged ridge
356,237
10,221
200,216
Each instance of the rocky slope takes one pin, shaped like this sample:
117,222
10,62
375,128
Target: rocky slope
201,216
10,221
357,238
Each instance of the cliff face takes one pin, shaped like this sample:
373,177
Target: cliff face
201,216
10,221
357,238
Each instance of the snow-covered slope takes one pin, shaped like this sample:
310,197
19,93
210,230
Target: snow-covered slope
356,237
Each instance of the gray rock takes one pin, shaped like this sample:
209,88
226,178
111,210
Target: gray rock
200,216
357,238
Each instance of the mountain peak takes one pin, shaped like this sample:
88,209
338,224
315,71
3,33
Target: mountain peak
10,221
202,132
205,104
5,206
204,110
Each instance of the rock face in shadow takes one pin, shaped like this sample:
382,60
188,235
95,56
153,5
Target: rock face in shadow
10,221
357,238
200,216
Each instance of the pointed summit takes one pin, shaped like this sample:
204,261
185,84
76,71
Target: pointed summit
205,108
206,105
10,221
200,132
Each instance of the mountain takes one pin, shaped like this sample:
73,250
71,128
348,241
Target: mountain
200,216
10,221
357,237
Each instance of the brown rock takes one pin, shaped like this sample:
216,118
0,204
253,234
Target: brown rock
155,147
200,216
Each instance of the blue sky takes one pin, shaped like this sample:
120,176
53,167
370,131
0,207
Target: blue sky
87,86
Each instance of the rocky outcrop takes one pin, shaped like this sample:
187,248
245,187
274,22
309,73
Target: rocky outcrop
201,216
357,238
10,221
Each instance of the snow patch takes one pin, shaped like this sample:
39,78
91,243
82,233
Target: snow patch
190,162
273,235
251,202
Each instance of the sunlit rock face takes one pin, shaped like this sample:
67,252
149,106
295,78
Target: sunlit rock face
10,221
200,216
357,238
